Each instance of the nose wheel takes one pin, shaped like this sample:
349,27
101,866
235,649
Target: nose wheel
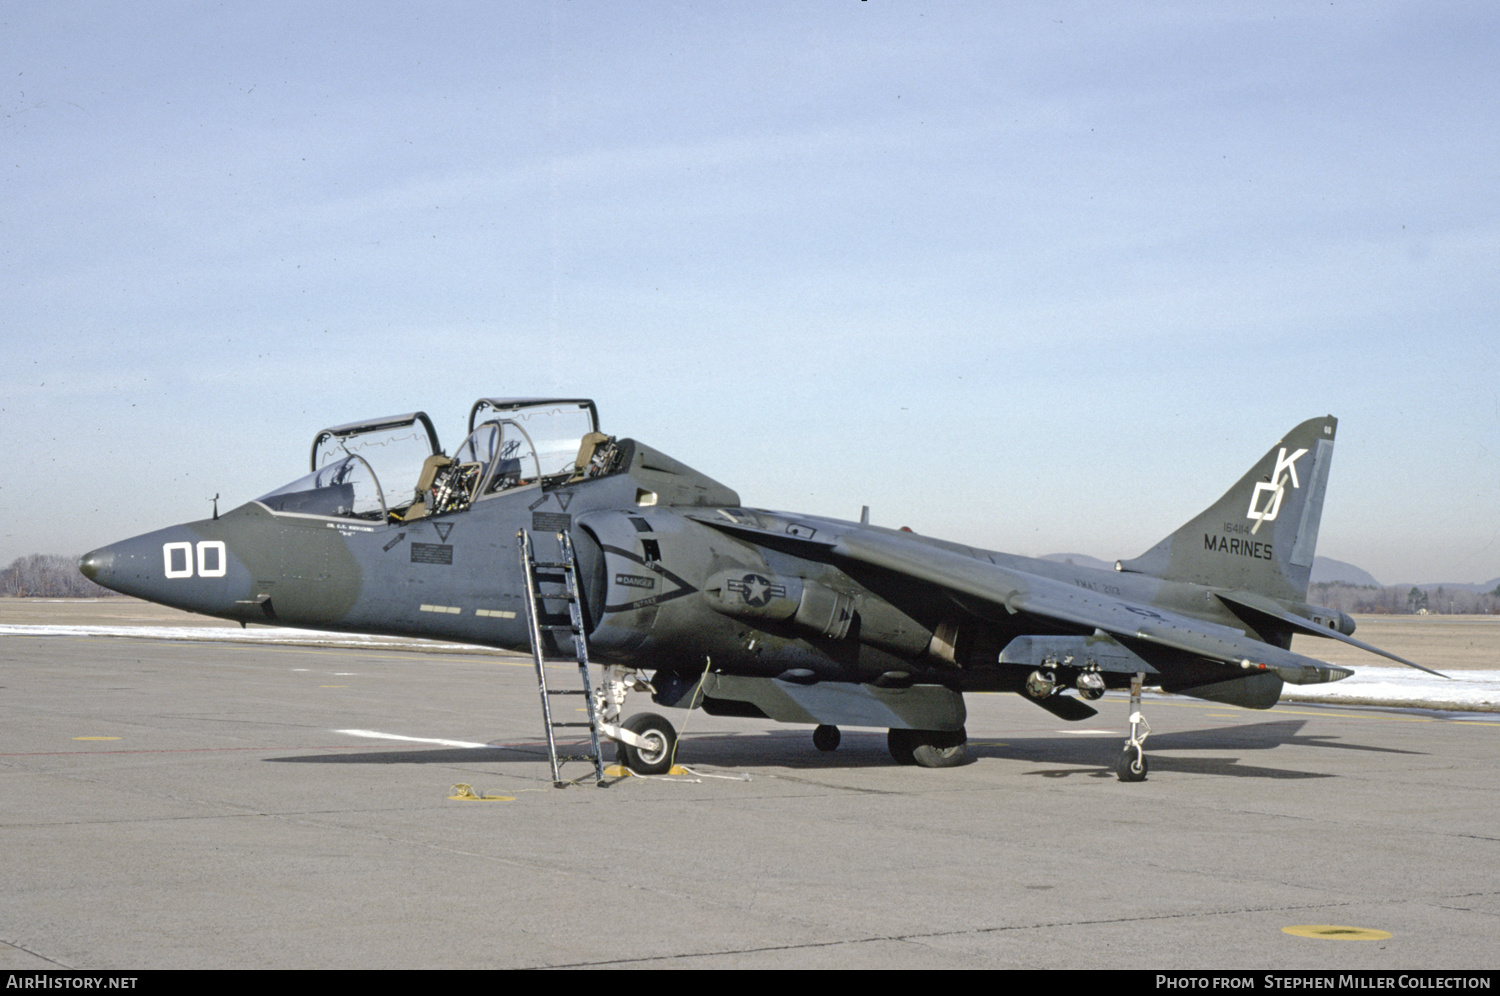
645,743
649,744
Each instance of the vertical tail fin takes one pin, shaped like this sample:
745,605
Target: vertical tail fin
1261,535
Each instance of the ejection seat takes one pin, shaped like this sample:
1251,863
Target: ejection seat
587,448
430,467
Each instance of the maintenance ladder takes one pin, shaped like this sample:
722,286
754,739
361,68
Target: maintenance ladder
554,575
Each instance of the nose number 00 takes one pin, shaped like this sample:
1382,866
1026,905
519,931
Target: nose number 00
210,559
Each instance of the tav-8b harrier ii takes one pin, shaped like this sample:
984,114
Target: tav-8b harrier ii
541,533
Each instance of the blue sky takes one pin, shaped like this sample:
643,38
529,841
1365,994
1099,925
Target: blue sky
1039,277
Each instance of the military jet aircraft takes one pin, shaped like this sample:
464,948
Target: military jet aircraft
540,533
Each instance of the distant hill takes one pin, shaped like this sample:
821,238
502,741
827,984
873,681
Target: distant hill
1326,570
1483,587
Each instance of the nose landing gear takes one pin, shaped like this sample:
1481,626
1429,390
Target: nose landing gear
645,743
651,749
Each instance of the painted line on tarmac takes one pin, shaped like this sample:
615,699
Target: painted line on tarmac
185,750
376,735
1334,932
1352,715
1330,714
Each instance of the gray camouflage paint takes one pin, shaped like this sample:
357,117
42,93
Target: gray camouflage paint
676,574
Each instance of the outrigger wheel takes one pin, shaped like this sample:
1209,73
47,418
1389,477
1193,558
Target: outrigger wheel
1132,764
655,758
929,748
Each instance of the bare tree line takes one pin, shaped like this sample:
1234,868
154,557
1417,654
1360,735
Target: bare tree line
1408,600
47,575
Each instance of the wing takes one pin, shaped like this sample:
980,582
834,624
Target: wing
1268,607
987,587
1017,591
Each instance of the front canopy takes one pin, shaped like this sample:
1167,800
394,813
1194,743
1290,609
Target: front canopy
346,488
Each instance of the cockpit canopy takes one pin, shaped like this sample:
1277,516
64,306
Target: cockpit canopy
346,488
394,447
394,469
552,430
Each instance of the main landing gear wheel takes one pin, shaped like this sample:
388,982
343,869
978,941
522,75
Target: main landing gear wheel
901,745
826,738
655,758
929,748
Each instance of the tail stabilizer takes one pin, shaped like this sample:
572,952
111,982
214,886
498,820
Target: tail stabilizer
1261,535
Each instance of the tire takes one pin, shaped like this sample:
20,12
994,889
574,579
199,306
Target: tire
1131,768
656,757
941,749
826,738
901,744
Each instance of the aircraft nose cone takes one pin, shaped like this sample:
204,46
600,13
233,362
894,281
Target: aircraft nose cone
122,567
174,566
97,563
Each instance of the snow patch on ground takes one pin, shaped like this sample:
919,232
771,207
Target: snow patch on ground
1398,686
